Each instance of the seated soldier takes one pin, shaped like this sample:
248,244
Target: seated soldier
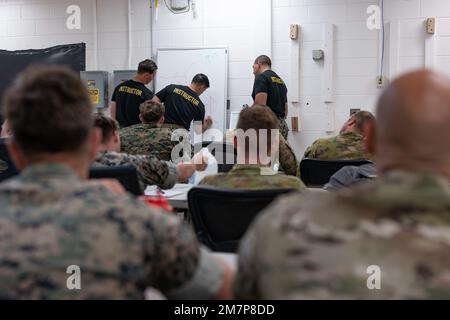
253,173
288,160
350,175
64,237
348,145
383,239
150,169
148,138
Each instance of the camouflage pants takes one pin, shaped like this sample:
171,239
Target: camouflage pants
284,130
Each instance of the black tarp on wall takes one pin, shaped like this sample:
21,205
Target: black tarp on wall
13,62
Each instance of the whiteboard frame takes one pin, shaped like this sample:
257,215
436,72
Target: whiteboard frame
227,53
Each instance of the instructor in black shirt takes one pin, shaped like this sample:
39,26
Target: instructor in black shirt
129,95
183,105
269,90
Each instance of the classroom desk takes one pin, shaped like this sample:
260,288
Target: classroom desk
177,196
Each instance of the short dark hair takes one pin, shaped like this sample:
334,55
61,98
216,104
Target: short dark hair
49,110
201,79
258,117
151,111
147,66
265,60
107,125
361,118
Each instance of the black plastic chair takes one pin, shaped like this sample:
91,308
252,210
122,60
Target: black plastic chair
126,175
222,216
225,153
4,156
317,173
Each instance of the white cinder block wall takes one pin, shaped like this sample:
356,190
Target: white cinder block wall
356,53
243,26
250,28
42,23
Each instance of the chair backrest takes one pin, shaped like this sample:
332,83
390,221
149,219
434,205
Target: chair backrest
225,153
126,175
222,216
317,173
4,156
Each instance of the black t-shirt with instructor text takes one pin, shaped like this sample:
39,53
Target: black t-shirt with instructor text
128,96
182,105
269,82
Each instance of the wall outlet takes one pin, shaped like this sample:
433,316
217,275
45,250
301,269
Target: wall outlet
431,25
381,82
293,31
354,110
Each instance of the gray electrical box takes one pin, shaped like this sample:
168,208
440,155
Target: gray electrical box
122,75
97,84
318,55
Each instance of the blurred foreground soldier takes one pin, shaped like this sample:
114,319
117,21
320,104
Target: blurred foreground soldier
66,238
253,174
5,133
348,145
150,170
385,239
148,138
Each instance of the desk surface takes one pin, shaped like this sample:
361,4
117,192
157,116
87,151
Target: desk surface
177,196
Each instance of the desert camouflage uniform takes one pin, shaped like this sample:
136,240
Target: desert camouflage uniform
147,139
288,161
51,220
150,170
284,129
252,177
320,246
172,126
345,146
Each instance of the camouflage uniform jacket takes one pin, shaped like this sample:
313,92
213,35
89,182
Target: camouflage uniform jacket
345,146
326,245
50,220
147,139
288,161
252,177
150,170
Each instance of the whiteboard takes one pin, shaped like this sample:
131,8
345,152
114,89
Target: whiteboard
180,65
234,117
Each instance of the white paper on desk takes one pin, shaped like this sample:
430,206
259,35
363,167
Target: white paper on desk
210,170
178,189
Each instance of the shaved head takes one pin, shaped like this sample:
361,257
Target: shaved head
413,129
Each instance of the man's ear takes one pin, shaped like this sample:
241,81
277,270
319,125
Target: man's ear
370,138
351,122
140,119
16,154
161,121
116,136
94,143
